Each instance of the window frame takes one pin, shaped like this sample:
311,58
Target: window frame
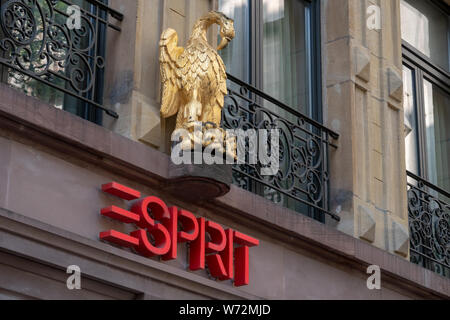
313,35
424,69
312,22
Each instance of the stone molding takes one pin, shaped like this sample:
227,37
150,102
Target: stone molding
31,119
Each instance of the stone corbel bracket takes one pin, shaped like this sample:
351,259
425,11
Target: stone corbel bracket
362,66
366,224
395,88
198,182
400,237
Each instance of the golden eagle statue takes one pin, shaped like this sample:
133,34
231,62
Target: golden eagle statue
194,78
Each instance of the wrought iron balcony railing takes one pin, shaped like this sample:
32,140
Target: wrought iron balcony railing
47,41
302,182
429,224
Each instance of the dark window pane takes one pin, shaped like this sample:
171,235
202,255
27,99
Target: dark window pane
237,55
285,53
426,27
437,121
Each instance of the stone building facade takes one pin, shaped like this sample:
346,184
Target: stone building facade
53,164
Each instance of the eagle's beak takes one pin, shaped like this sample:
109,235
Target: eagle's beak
224,43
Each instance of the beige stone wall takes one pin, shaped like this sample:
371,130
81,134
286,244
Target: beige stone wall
362,90
133,86
363,99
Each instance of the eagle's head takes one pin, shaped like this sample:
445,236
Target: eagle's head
226,28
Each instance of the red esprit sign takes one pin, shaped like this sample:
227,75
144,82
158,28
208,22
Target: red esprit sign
226,253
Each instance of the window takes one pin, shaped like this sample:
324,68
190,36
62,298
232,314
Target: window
426,27
425,31
45,58
275,50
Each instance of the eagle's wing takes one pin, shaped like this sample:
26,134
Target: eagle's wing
220,78
170,73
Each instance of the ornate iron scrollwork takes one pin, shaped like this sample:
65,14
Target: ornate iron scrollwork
429,223
302,180
38,43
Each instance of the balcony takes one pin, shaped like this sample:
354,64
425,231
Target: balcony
41,55
429,223
302,182
43,44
